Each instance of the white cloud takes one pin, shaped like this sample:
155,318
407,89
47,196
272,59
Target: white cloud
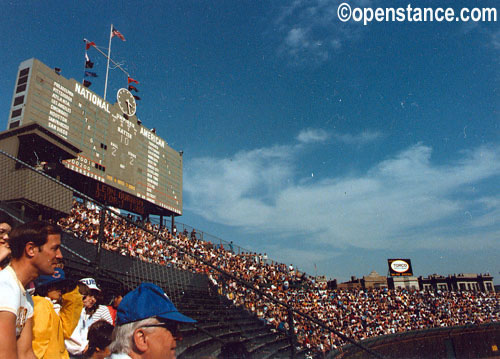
495,39
310,30
492,205
293,256
311,135
405,200
296,38
236,189
492,37
359,139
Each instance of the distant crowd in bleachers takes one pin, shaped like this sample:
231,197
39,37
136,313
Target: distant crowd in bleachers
358,314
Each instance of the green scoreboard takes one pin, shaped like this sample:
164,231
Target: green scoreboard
125,162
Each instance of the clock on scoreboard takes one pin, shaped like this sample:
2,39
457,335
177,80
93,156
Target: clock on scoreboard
116,150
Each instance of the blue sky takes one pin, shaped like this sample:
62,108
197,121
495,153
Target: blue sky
329,145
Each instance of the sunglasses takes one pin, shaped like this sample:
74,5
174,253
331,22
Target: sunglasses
172,328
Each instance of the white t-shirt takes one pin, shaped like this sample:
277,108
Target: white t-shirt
119,356
14,298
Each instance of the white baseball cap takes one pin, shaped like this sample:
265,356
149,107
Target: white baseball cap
90,282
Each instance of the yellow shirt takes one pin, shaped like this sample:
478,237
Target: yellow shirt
50,329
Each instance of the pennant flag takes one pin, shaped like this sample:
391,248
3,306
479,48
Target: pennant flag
117,33
130,79
86,83
88,64
88,44
136,97
132,88
57,70
90,74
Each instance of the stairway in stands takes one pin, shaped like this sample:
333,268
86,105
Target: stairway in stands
219,322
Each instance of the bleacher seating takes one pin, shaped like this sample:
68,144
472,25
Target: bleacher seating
178,263
219,320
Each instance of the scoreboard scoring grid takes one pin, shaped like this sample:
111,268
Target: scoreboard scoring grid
117,151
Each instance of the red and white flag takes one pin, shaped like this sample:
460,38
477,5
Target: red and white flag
117,33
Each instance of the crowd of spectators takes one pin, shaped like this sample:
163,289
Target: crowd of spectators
358,314
43,314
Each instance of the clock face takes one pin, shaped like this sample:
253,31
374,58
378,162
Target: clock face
126,102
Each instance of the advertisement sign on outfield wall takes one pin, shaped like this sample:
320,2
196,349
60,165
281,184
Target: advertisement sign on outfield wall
400,267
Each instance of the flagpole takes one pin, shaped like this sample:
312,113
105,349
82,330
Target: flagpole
107,67
85,66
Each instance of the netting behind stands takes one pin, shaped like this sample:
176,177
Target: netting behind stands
30,194
123,272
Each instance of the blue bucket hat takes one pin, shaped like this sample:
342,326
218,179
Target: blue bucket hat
147,301
57,277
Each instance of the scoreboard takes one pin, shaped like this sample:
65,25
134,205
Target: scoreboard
121,156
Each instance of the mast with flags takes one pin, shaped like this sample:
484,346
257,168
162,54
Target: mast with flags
112,32
89,64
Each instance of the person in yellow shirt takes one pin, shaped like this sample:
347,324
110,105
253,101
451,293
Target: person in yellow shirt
55,315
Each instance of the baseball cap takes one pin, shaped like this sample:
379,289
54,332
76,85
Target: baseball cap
147,301
90,282
57,277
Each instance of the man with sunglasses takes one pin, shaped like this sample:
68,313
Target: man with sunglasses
146,325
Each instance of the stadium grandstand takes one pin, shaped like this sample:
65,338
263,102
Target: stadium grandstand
90,166
239,296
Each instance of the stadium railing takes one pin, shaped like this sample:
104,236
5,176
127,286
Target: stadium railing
465,341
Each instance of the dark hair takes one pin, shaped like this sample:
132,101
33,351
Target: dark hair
114,297
5,218
99,336
36,232
43,290
83,288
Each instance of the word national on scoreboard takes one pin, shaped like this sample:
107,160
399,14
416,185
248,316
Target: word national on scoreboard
123,163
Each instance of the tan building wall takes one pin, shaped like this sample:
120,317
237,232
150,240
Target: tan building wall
375,280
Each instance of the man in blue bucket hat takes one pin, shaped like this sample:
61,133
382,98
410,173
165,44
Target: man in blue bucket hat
146,325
